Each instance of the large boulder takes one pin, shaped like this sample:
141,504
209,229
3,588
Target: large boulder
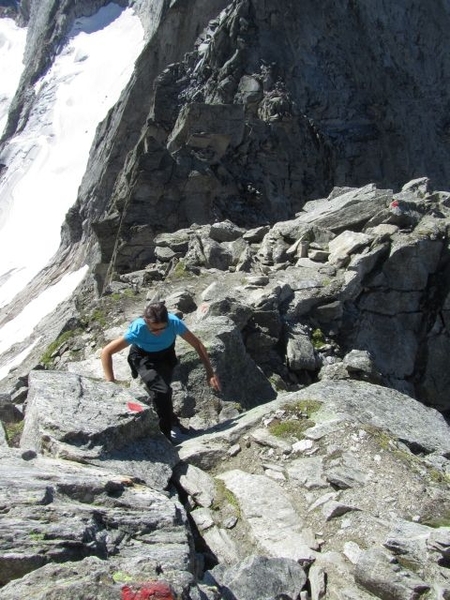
59,511
94,422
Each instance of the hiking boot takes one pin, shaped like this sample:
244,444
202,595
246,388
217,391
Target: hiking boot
184,430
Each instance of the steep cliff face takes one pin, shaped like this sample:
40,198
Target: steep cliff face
248,112
245,110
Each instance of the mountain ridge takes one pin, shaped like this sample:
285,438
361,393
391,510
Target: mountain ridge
277,173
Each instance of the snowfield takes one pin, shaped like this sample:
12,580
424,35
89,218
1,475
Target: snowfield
46,161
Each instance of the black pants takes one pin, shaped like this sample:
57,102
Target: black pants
156,369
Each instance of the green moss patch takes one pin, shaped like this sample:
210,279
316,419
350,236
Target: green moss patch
49,354
180,270
318,339
224,496
13,432
121,577
303,408
296,419
291,429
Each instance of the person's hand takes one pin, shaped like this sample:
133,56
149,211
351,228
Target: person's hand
215,383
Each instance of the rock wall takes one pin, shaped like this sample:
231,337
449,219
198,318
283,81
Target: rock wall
244,111
257,109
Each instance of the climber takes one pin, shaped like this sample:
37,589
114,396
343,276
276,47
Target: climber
152,357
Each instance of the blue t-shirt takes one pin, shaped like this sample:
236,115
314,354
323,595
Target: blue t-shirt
140,335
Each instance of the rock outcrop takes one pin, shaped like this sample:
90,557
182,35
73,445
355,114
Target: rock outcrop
312,474
253,176
296,498
356,285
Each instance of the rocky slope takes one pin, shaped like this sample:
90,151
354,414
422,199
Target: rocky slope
362,271
308,477
245,110
253,174
101,503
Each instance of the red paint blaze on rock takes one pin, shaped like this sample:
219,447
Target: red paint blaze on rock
154,590
135,407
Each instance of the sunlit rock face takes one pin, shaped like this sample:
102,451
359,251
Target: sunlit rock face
245,110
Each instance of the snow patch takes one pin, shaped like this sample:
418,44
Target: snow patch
22,326
45,162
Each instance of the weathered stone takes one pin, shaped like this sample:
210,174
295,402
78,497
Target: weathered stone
320,256
270,515
333,509
317,581
98,423
165,254
300,351
178,241
196,483
407,419
233,365
361,362
68,581
308,472
225,231
409,539
345,477
265,438
346,243
203,518
328,313
259,578
347,211
68,511
217,256
221,545
352,551
340,576
378,575
256,235
182,301
302,446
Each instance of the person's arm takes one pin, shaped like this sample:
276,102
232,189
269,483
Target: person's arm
106,356
193,340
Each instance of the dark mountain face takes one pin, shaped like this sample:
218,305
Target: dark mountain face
262,107
8,8
245,110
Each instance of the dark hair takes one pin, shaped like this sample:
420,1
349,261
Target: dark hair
156,313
